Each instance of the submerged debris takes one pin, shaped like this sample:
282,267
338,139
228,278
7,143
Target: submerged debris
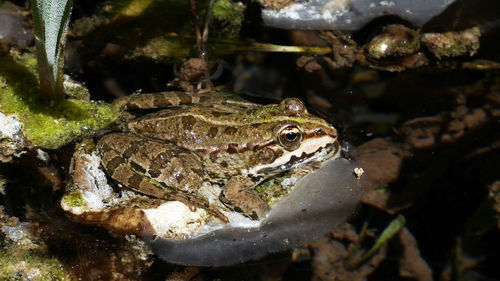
453,44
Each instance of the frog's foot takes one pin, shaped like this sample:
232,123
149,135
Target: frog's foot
192,202
237,197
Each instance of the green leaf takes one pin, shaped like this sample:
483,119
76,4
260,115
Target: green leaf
50,20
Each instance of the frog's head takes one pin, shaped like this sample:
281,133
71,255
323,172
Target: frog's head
298,138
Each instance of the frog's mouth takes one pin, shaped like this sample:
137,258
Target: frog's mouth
299,157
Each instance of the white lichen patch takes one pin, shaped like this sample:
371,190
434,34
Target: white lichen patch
99,192
10,127
42,155
92,191
11,137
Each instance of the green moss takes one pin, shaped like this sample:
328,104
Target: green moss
166,49
272,191
30,262
73,199
228,18
76,91
43,125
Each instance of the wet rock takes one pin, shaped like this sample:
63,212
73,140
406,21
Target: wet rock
381,160
394,40
12,143
345,14
412,265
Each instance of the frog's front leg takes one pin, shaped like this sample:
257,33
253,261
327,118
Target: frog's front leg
237,196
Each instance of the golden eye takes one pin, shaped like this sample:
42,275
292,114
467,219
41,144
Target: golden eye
290,137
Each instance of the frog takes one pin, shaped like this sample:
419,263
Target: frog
195,138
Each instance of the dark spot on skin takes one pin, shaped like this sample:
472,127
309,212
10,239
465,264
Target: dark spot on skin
160,100
131,105
230,131
137,167
220,113
154,170
212,132
232,148
254,216
134,180
131,150
199,172
267,155
188,122
162,158
295,159
205,99
185,99
179,177
213,156
257,178
113,164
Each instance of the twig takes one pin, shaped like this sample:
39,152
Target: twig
203,51
192,6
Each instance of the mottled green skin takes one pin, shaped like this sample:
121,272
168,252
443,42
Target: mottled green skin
169,153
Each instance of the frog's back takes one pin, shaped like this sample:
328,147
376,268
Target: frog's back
206,128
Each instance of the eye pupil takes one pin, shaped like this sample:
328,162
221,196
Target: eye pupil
290,136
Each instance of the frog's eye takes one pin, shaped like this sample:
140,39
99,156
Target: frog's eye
290,137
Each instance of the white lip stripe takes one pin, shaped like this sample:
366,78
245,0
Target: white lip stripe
308,147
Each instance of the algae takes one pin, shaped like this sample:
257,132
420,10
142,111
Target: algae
73,199
30,262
